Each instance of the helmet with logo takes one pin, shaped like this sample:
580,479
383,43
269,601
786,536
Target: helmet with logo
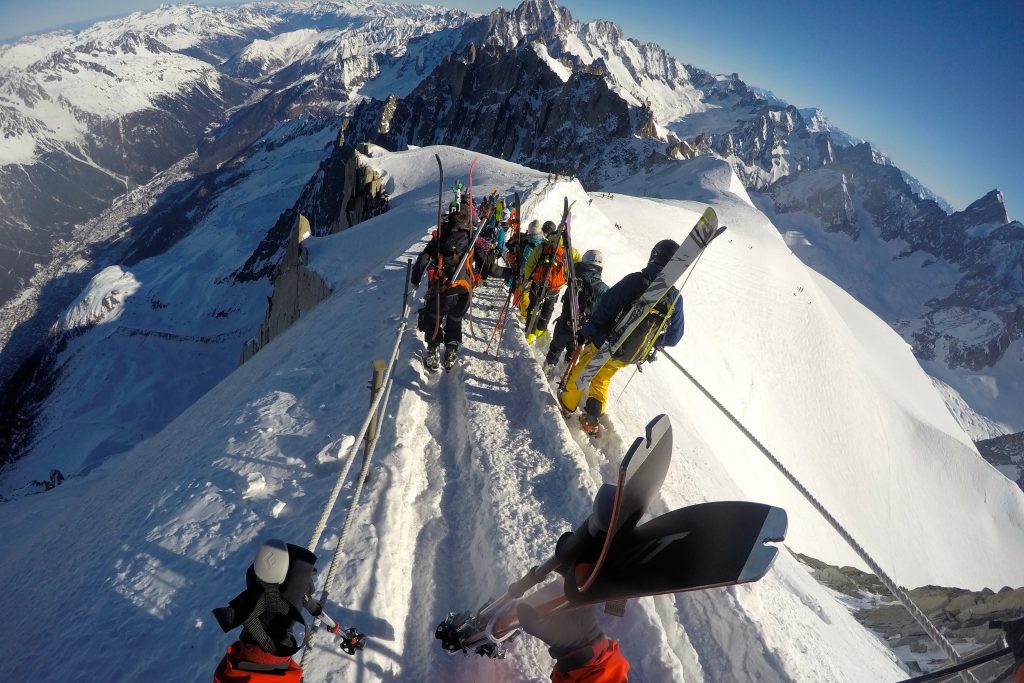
271,563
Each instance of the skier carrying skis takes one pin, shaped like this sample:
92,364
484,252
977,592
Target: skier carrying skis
279,585
544,275
449,293
535,236
590,290
662,326
581,651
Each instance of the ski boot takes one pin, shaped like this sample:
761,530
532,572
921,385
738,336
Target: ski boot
432,358
590,418
590,425
451,354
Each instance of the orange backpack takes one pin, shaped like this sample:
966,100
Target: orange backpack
552,269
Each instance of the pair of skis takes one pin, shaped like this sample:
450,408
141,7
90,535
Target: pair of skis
610,558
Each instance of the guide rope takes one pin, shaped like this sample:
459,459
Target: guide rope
920,617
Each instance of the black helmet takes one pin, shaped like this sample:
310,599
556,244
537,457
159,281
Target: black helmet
663,252
549,227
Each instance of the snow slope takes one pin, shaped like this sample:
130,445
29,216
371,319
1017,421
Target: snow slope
477,473
152,338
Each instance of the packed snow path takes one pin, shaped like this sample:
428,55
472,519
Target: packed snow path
477,473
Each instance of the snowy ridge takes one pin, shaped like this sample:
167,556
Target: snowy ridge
477,473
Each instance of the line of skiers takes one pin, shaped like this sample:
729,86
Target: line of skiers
539,269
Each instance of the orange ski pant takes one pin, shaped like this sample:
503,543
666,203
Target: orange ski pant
598,389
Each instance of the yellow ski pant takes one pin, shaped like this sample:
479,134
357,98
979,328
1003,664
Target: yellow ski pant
598,389
524,303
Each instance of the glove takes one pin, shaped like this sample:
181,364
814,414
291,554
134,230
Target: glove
568,635
225,618
581,339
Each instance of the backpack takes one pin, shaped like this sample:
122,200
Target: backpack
591,289
640,341
452,245
551,268
267,611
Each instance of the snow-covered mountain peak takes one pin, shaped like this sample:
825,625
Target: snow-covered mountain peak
545,16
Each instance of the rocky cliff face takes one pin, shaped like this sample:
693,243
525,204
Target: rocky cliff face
511,104
1005,453
342,193
961,615
297,290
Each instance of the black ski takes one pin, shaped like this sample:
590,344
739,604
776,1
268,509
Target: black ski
437,236
570,271
692,548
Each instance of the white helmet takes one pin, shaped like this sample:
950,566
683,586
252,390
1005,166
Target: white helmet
534,228
594,257
271,563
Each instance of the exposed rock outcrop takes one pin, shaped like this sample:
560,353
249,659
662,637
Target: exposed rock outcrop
961,615
510,104
1006,453
343,192
297,290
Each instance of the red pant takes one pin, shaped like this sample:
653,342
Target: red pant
228,671
606,666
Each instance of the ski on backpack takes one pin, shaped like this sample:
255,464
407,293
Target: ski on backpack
654,299
546,264
572,283
693,548
472,209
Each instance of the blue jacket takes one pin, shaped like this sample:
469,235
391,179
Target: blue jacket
532,242
619,298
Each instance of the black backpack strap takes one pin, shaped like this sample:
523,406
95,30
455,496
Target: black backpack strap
272,602
254,627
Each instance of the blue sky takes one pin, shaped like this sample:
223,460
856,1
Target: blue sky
938,86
